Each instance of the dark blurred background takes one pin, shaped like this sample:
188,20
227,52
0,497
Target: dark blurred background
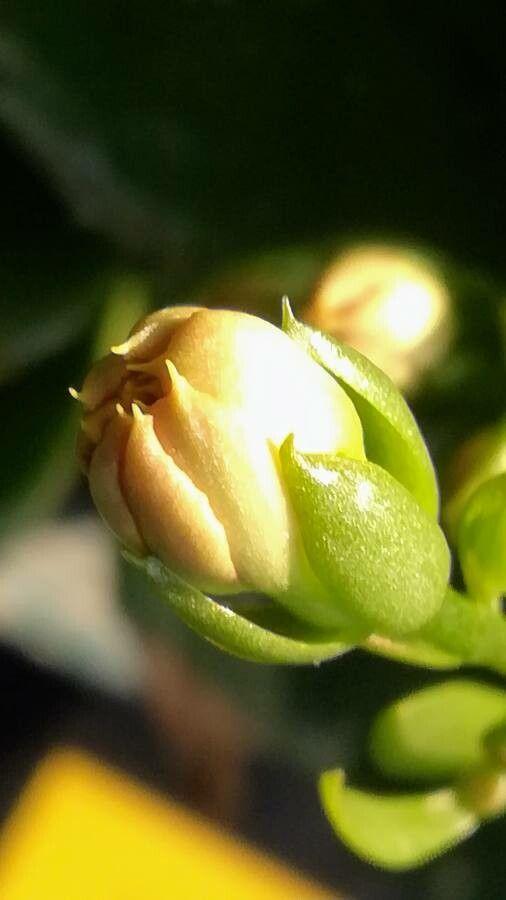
226,152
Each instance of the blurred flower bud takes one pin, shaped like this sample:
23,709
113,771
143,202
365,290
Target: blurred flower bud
179,440
390,305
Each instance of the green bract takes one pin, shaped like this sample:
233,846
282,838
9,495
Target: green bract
227,629
384,559
392,438
369,528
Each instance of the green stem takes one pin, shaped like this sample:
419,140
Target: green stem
474,632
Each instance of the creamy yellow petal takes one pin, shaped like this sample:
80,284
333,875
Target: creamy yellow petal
105,484
174,516
228,459
102,382
150,336
94,423
246,362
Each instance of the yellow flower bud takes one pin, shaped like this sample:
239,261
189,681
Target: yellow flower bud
389,304
179,439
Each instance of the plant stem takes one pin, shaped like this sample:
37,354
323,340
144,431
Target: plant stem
474,632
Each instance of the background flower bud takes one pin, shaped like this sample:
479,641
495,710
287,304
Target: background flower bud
180,436
388,303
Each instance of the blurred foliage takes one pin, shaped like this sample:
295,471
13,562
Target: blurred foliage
403,751
395,832
451,732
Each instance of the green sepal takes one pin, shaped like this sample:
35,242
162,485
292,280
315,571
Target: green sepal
221,625
395,832
437,733
370,543
392,437
481,540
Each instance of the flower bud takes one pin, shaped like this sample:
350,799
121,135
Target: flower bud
389,304
179,439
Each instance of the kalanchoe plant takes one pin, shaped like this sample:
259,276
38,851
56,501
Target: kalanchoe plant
231,457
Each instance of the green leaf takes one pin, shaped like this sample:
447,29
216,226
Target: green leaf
482,539
222,626
392,437
436,733
368,540
395,832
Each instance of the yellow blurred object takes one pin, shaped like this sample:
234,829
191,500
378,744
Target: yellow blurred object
389,304
84,832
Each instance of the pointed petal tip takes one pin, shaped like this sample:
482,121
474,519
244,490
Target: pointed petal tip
287,315
176,381
120,349
137,412
287,448
171,369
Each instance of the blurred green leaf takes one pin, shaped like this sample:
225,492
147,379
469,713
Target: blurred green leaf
37,454
368,540
222,626
436,733
482,540
392,438
46,304
395,832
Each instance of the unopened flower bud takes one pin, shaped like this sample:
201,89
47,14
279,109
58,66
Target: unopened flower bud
387,303
180,436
